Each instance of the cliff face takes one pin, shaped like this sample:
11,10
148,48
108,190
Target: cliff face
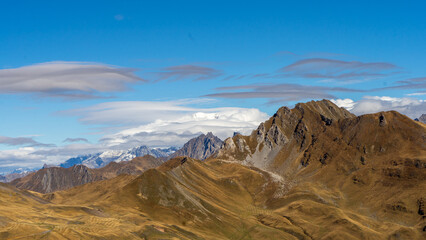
200,147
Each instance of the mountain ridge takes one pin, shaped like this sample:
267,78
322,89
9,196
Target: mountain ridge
57,178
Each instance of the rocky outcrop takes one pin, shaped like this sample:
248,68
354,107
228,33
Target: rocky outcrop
200,147
421,119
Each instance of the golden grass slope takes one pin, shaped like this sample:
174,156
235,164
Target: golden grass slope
195,200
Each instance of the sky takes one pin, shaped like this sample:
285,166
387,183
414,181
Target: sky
80,77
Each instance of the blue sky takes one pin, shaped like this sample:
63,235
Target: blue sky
65,64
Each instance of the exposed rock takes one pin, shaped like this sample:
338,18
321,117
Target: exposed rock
421,119
327,121
382,120
421,206
200,147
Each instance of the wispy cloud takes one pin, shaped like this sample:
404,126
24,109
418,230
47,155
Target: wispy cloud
119,17
73,140
279,93
20,141
187,72
67,79
322,68
411,83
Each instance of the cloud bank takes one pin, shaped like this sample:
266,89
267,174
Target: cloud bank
371,104
167,123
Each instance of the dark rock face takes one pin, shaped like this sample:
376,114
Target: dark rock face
200,147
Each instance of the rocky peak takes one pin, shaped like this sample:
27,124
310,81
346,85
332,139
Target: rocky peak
295,127
324,108
421,119
200,147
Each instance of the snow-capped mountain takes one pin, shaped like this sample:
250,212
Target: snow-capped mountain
98,160
16,173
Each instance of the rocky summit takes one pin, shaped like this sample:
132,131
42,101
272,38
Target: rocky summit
200,147
421,119
312,172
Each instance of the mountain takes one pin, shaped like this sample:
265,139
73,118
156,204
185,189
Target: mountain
102,159
16,173
312,172
52,179
200,147
421,119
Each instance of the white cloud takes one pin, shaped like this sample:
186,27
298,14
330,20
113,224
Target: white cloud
346,103
33,157
66,79
136,113
166,123
411,107
416,94
223,122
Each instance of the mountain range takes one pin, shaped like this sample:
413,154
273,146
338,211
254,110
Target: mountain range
312,172
103,158
53,179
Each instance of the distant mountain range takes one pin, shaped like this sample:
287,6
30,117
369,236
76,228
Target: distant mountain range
200,147
53,179
101,159
16,173
88,168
